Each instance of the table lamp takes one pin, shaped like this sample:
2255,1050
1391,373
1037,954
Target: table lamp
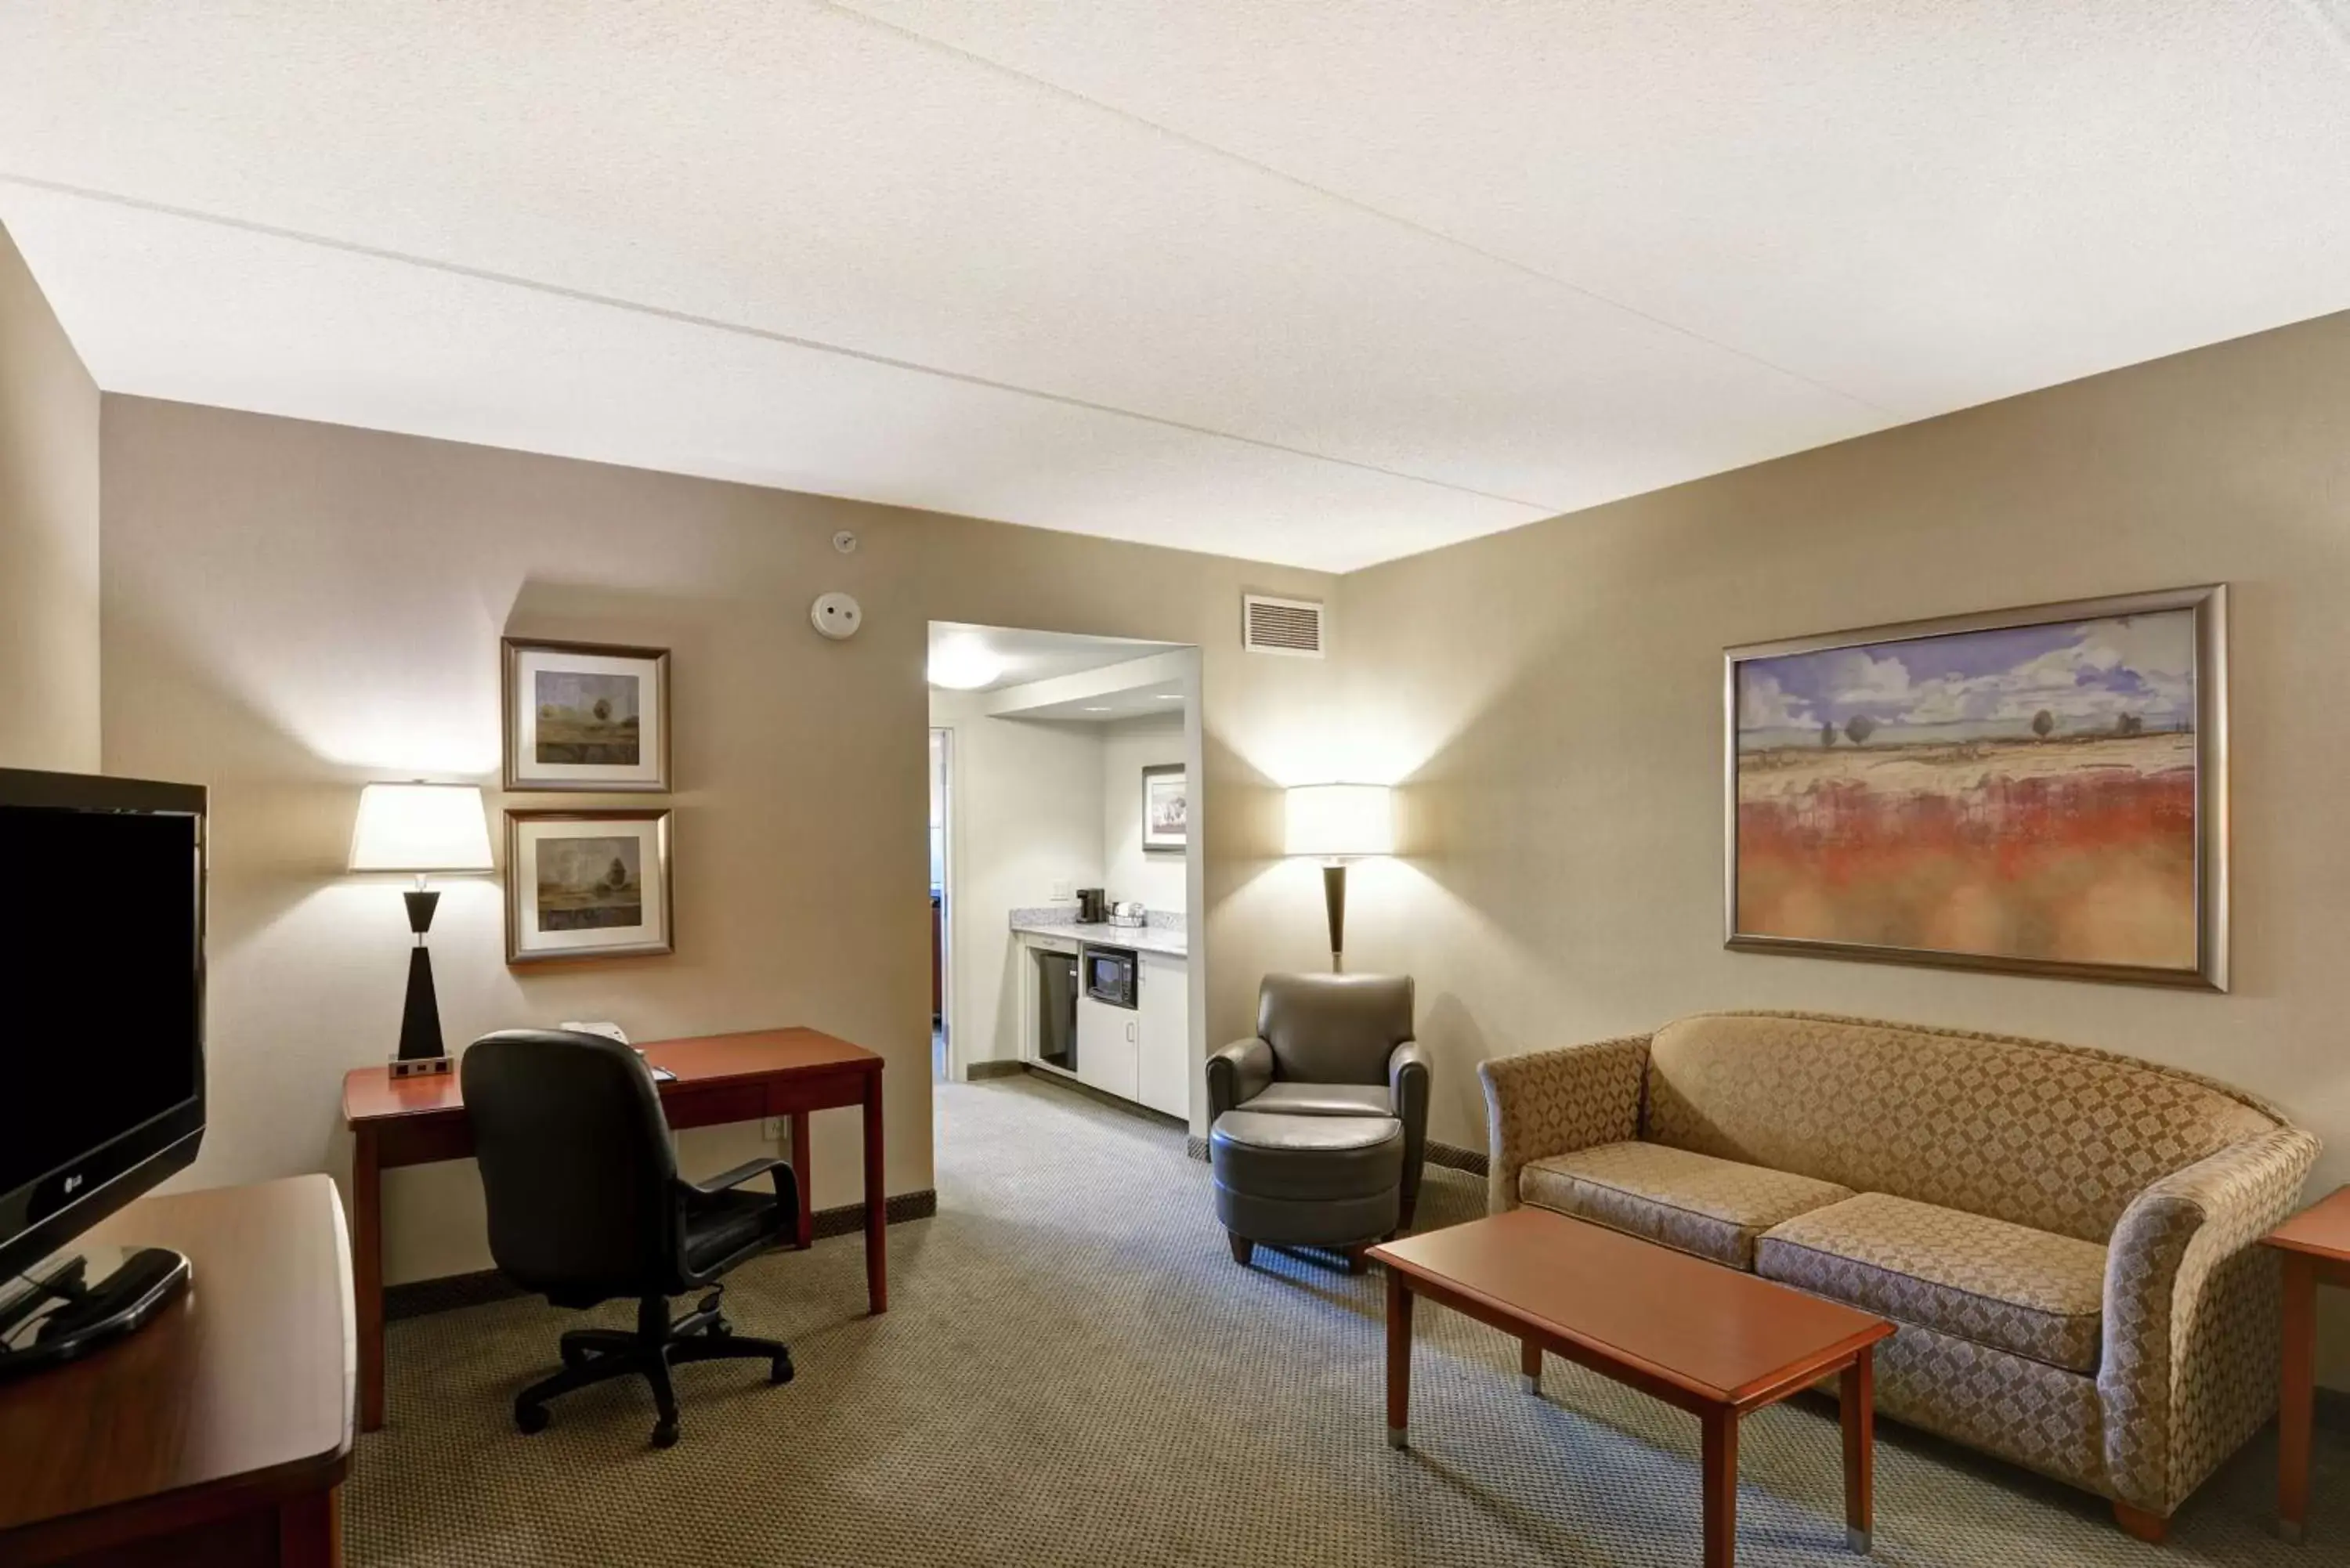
421,827
1339,823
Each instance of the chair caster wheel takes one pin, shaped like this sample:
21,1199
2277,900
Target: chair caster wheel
779,1370
531,1417
665,1435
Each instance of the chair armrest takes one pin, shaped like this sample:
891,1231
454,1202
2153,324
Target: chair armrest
1411,1075
727,1180
1237,1074
2191,1342
1553,1102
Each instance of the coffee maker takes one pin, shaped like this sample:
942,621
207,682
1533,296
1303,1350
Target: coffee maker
1093,908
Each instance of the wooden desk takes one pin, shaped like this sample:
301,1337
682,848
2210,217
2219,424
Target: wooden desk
1712,1340
216,1435
2316,1247
719,1078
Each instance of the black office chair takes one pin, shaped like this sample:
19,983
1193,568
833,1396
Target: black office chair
585,1206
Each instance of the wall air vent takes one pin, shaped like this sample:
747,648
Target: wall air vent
1281,625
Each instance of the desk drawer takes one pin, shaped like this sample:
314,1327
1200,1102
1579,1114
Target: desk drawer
710,1105
827,1090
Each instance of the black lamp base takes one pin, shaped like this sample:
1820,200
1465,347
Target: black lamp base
1333,902
420,1049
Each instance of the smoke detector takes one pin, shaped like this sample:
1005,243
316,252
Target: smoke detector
837,616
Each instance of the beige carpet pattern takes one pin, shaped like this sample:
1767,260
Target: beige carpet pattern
1075,1373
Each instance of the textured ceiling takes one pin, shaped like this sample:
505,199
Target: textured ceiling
1316,281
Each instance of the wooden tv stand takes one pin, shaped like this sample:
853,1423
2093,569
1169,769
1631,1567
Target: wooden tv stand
217,1435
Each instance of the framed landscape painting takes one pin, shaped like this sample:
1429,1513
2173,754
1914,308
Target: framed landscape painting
586,884
586,716
1166,809
2039,791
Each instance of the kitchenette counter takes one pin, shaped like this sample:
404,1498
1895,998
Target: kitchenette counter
1166,941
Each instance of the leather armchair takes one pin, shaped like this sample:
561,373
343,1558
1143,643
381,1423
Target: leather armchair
1332,1044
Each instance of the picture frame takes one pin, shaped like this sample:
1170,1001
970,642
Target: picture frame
584,717
1166,809
588,885
2036,791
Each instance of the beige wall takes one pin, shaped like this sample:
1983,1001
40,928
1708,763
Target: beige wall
293,608
48,534
1127,748
1553,698
1027,814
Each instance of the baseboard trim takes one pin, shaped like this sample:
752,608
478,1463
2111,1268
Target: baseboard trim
1450,1155
976,1071
421,1298
1100,1096
1453,1156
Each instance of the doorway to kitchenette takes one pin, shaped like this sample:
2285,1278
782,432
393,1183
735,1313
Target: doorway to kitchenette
942,793
1065,862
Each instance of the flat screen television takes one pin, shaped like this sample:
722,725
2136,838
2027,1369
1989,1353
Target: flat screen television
102,980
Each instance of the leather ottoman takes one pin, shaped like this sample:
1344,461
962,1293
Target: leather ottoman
1306,1180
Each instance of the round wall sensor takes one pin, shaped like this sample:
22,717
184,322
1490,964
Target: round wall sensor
837,616
845,542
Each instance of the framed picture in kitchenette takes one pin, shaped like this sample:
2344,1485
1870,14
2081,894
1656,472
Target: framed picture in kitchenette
1166,809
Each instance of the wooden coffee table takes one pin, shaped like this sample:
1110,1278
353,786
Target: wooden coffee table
1708,1339
2316,1247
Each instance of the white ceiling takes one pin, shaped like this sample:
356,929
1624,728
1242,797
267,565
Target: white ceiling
1316,281
1160,699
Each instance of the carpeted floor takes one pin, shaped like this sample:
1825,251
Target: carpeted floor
1074,1372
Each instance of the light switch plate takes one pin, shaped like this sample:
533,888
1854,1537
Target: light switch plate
771,1129
1065,892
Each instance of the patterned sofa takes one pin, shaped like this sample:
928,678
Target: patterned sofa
2063,1236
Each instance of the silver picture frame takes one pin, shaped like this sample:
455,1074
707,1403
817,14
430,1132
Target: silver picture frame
636,677
2209,970
646,890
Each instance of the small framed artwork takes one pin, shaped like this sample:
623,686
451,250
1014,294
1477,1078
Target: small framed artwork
1166,809
586,716
586,884
2039,791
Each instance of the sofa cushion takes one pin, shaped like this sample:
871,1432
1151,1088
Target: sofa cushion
2053,1136
2009,1287
1323,1100
1713,1208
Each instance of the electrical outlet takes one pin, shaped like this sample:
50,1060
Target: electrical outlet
1065,892
771,1129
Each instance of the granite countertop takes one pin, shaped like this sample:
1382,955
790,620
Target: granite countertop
1166,941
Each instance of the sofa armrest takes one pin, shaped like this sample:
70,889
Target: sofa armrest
1552,1102
1237,1074
2191,1339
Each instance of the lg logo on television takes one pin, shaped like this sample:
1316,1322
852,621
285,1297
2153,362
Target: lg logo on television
73,1185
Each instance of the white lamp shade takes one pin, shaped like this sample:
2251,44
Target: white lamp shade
1340,821
421,827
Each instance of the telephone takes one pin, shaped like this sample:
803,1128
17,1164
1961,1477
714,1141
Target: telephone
611,1031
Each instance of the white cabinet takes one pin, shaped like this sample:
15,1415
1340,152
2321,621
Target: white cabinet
1109,1047
1163,986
